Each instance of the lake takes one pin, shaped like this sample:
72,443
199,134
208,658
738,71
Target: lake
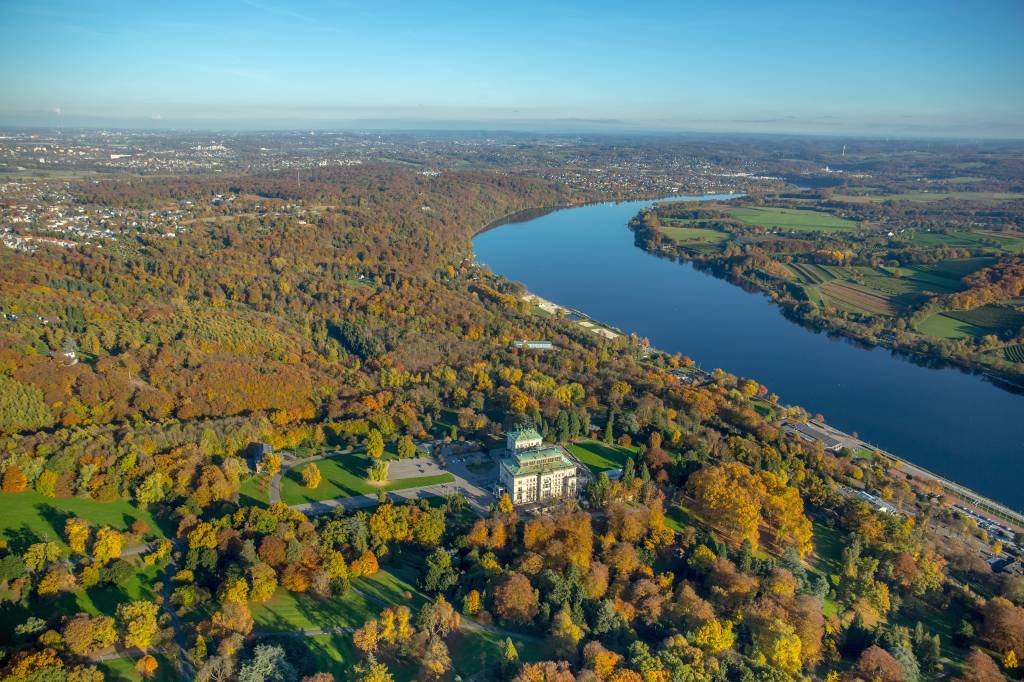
957,424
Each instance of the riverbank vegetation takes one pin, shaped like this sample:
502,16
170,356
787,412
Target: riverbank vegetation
342,313
945,280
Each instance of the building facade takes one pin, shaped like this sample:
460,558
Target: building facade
532,472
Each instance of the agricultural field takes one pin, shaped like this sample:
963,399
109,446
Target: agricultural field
857,299
598,456
995,318
694,235
791,219
1014,353
347,475
923,196
943,326
1008,242
29,517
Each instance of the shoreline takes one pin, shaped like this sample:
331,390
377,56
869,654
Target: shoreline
972,497
610,332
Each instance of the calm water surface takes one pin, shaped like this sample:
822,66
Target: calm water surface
958,425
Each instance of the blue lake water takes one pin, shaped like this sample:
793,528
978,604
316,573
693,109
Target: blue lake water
956,424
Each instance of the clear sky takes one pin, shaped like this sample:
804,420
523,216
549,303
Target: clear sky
895,66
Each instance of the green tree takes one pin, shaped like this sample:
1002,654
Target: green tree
406,448
22,407
375,444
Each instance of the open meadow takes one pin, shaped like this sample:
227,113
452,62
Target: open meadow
347,475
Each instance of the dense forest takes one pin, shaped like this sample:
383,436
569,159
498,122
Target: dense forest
345,314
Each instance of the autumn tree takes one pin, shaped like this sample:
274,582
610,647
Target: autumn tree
979,667
87,635
728,496
375,444
138,624
311,476
107,545
515,599
146,667
76,534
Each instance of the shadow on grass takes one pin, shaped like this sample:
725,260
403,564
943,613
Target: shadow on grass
56,518
19,539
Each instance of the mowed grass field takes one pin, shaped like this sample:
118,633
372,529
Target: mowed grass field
101,599
598,456
791,219
1009,242
29,517
346,475
694,235
288,611
943,326
929,196
123,670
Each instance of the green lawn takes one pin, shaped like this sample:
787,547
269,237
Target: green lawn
694,234
346,476
791,219
1010,242
288,611
123,670
391,584
994,318
930,196
474,650
254,491
101,599
945,327
600,456
828,549
29,517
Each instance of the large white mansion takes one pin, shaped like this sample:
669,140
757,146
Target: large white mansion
533,473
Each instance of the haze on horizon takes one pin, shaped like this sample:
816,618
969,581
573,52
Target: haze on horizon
948,69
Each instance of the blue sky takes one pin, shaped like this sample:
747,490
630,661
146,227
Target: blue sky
945,68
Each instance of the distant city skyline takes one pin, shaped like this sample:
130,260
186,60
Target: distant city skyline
948,69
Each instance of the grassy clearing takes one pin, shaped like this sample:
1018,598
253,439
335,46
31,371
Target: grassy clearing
123,670
929,196
346,476
958,268
288,611
99,600
253,491
394,585
828,549
598,456
29,517
995,318
945,327
1010,242
689,235
791,219
474,650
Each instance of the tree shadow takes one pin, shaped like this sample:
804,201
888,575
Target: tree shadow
56,518
19,539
